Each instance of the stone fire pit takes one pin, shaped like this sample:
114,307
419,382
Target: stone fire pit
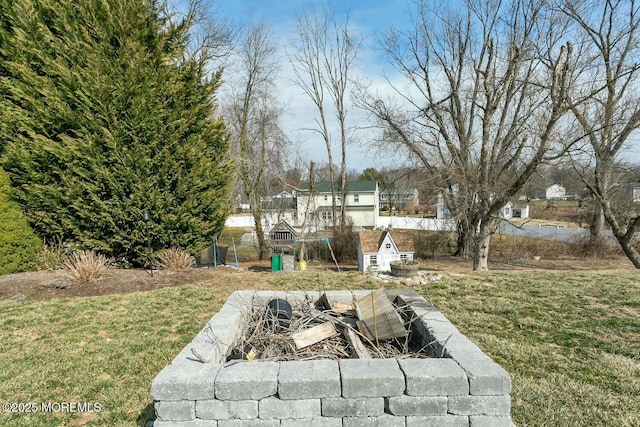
458,386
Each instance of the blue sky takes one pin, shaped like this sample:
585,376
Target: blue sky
370,18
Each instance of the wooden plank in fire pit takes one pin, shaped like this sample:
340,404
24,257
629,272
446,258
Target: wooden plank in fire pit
378,317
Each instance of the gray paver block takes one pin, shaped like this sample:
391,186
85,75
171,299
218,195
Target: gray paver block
361,293
241,301
177,382
247,381
371,378
249,423
486,378
272,407
309,379
418,305
298,298
438,421
207,350
312,422
416,405
227,409
244,297
434,377
263,297
480,405
181,410
194,423
381,421
484,421
342,297
346,407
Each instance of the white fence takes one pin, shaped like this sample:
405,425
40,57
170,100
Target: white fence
411,223
383,222
239,221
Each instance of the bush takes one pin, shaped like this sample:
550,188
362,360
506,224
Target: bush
50,257
86,266
18,242
429,244
345,244
175,259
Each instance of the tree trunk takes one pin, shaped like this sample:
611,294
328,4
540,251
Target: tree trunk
622,233
596,227
630,251
262,243
481,250
464,240
307,208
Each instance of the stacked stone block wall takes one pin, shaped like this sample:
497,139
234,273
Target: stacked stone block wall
461,386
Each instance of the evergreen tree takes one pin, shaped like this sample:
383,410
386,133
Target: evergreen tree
108,115
18,243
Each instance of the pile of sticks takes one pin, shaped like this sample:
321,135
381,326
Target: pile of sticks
315,331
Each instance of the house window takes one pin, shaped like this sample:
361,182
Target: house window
373,259
326,216
388,246
339,197
326,198
403,257
356,198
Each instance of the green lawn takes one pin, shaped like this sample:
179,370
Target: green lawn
571,342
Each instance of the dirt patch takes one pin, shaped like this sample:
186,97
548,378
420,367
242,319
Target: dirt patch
56,284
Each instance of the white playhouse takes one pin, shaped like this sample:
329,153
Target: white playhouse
376,249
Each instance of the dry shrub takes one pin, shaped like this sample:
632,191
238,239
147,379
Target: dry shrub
86,266
601,247
175,259
52,256
509,247
430,244
345,244
505,247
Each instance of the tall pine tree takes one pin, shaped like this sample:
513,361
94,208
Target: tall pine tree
108,115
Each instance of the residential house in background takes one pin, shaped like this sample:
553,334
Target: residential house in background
376,250
398,199
509,210
556,192
361,204
280,206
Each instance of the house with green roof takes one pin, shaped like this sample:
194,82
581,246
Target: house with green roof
361,203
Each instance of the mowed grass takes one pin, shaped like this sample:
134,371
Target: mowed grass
570,340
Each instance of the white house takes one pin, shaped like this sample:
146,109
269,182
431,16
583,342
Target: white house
555,192
361,204
399,199
376,250
508,211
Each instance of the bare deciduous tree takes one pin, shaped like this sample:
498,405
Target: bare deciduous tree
323,56
606,102
253,116
487,90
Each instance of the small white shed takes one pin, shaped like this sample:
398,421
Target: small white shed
514,210
376,249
